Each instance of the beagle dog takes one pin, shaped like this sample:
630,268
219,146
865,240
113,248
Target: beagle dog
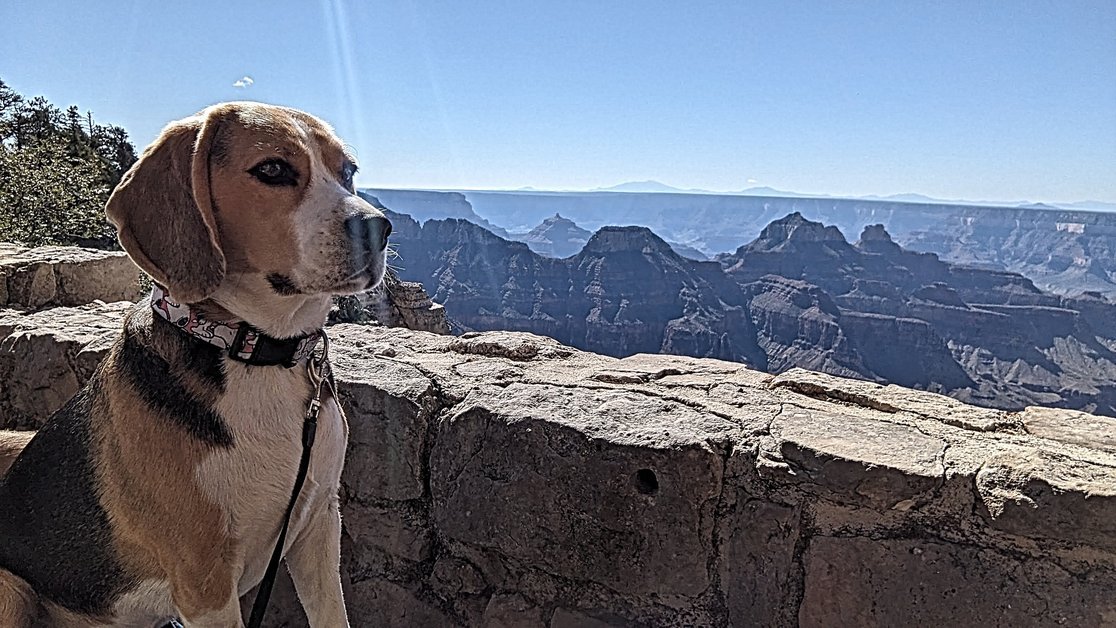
157,493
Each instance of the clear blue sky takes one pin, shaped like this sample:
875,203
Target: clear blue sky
969,99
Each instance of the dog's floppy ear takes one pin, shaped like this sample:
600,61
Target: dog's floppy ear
163,211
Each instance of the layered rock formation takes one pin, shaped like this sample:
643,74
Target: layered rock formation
799,295
394,303
1067,252
425,205
625,292
877,311
555,237
502,479
1063,251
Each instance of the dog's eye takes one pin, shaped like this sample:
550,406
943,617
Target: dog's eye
275,172
347,175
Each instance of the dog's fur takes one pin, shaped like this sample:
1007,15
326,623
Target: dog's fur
158,490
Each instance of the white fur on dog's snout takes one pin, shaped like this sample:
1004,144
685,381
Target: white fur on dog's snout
330,255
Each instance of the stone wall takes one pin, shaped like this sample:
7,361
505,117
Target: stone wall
502,479
64,275
51,276
47,355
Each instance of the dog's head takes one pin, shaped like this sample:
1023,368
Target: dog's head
249,198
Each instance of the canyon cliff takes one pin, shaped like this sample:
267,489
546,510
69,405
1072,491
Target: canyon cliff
798,295
1066,251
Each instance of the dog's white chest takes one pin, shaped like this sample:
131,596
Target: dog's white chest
252,481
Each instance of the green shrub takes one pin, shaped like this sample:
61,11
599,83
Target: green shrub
57,169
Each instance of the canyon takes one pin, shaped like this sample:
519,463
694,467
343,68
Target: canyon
1068,251
798,295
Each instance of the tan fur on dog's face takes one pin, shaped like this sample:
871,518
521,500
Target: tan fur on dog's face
253,194
303,222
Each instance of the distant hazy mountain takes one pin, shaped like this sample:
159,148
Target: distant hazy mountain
906,198
661,188
655,187
641,186
423,205
766,191
1091,205
688,251
558,236
1064,251
921,198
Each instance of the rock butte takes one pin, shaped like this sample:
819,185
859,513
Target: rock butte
800,295
502,479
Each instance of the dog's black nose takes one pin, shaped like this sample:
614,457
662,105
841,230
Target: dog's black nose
370,231
385,230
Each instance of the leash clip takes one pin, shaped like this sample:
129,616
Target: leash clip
316,367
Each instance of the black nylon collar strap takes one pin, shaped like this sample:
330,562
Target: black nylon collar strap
243,342
268,351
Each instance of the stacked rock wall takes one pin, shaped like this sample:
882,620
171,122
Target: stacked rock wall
63,275
502,479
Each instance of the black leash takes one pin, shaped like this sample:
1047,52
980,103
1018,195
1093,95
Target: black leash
319,375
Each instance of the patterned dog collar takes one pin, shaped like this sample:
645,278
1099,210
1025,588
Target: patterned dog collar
243,342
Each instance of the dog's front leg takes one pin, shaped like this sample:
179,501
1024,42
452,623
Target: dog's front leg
228,616
314,561
205,591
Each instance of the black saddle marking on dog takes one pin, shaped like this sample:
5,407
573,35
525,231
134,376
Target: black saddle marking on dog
204,360
283,285
198,357
161,387
54,533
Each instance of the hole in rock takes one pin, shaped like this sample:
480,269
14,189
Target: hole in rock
646,482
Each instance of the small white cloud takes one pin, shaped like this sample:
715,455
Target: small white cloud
245,81
752,181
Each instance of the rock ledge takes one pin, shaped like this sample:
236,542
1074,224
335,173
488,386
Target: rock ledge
503,479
